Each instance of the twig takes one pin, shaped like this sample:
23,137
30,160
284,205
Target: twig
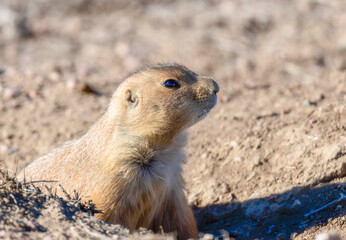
273,114
342,198
66,194
44,181
309,115
94,234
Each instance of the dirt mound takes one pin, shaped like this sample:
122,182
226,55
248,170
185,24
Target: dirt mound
25,212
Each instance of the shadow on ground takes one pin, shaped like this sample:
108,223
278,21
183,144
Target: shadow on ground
278,216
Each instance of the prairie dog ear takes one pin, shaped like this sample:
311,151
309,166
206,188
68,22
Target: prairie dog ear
131,98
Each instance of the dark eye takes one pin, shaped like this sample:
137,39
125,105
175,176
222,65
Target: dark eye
171,83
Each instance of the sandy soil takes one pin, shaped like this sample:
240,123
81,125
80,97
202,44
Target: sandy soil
272,151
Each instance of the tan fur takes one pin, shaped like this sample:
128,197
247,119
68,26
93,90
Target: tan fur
130,161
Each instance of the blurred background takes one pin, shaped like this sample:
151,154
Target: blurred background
280,120
269,39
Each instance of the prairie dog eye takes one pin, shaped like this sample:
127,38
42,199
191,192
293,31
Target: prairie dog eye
171,83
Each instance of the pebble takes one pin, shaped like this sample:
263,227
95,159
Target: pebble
31,226
3,233
13,150
313,120
225,188
306,103
272,197
207,236
54,76
330,235
32,94
9,93
256,161
286,111
296,203
71,84
6,149
294,235
234,144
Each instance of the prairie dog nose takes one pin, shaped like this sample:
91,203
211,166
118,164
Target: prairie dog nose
211,85
216,87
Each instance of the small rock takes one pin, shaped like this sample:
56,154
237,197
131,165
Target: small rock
9,93
306,103
257,128
234,144
13,150
272,197
238,159
225,235
296,204
330,235
256,161
286,111
3,233
294,235
32,94
204,155
31,226
208,236
71,84
313,120
225,188
54,76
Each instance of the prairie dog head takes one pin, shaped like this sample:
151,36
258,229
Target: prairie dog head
162,100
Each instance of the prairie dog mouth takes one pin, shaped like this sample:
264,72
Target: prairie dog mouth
204,114
206,110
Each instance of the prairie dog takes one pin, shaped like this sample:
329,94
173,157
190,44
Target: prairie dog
129,163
